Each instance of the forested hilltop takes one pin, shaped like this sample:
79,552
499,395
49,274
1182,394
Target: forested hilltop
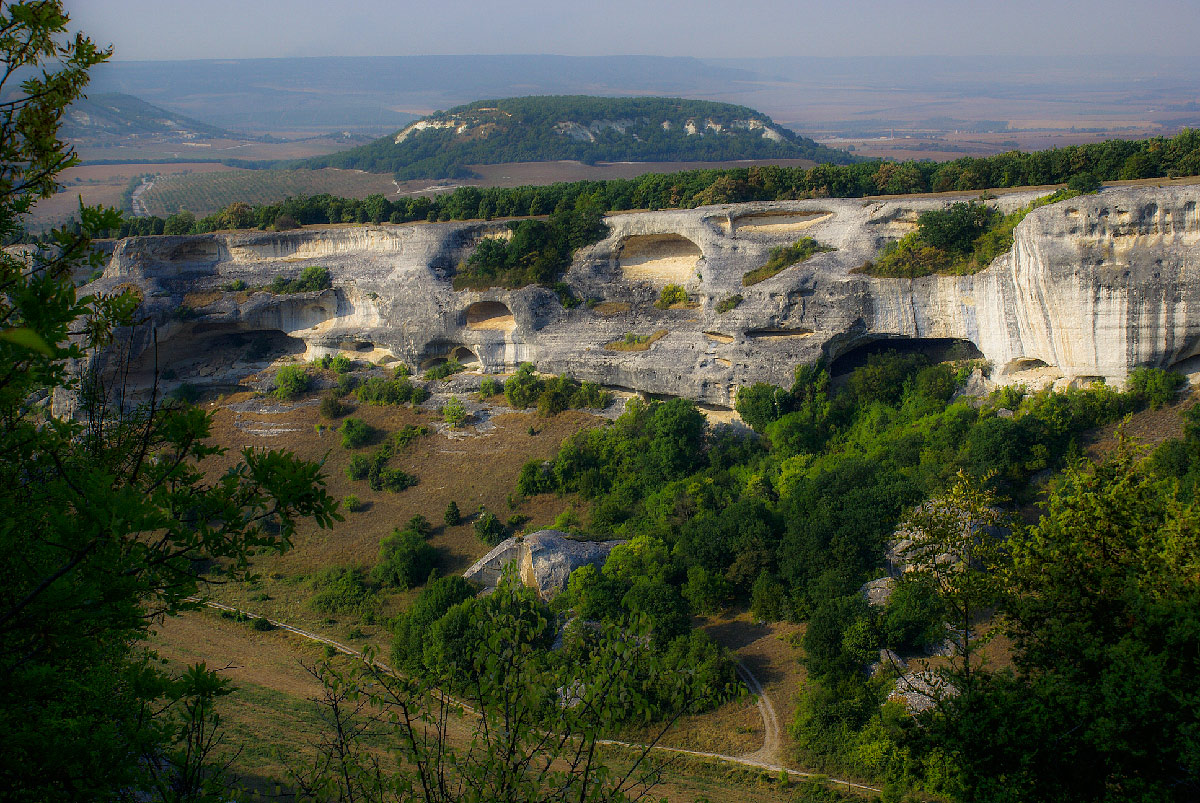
578,127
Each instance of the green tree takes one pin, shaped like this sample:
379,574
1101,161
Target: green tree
1105,621
535,721
182,222
454,413
108,515
405,559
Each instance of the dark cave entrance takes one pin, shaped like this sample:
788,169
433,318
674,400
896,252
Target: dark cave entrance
935,349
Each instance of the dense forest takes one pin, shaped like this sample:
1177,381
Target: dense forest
578,127
1099,596
1083,166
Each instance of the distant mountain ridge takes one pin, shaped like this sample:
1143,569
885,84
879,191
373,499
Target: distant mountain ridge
578,127
116,114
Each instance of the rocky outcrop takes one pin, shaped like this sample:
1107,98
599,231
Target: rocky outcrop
544,560
1093,287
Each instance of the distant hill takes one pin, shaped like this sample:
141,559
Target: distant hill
579,127
115,115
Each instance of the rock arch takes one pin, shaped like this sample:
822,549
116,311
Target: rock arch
440,352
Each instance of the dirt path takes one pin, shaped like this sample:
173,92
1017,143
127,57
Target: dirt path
139,206
769,752
764,758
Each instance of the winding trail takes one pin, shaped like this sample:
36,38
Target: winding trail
766,757
769,752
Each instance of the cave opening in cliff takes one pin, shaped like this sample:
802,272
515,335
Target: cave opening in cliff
439,354
465,356
208,353
659,258
490,315
936,349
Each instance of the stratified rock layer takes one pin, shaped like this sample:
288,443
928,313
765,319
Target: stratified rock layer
1093,287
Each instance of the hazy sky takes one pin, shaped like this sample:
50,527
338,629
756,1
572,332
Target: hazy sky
192,29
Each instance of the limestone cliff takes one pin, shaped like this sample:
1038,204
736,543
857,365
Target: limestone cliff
1093,287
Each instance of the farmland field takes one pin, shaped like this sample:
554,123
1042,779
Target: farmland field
104,185
203,194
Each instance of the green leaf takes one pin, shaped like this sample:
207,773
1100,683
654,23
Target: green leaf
26,338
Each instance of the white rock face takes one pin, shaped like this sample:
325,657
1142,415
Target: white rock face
544,560
1093,287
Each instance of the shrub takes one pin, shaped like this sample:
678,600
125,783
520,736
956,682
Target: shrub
671,295
706,591
489,529
393,480
419,525
341,364
261,624
405,559
568,520
448,368
412,627
728,303
490,386
291,381
635,342
452,516
523,388
185,392
402,370
235,286
1154,386
355,433
341,590
286,223
359,467
377,390
785,256
591,395
312,279
566,296
406,435
333,407
182,222
914,617
454,413
556,395
352,503
1084,183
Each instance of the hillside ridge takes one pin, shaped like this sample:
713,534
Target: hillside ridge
581,128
